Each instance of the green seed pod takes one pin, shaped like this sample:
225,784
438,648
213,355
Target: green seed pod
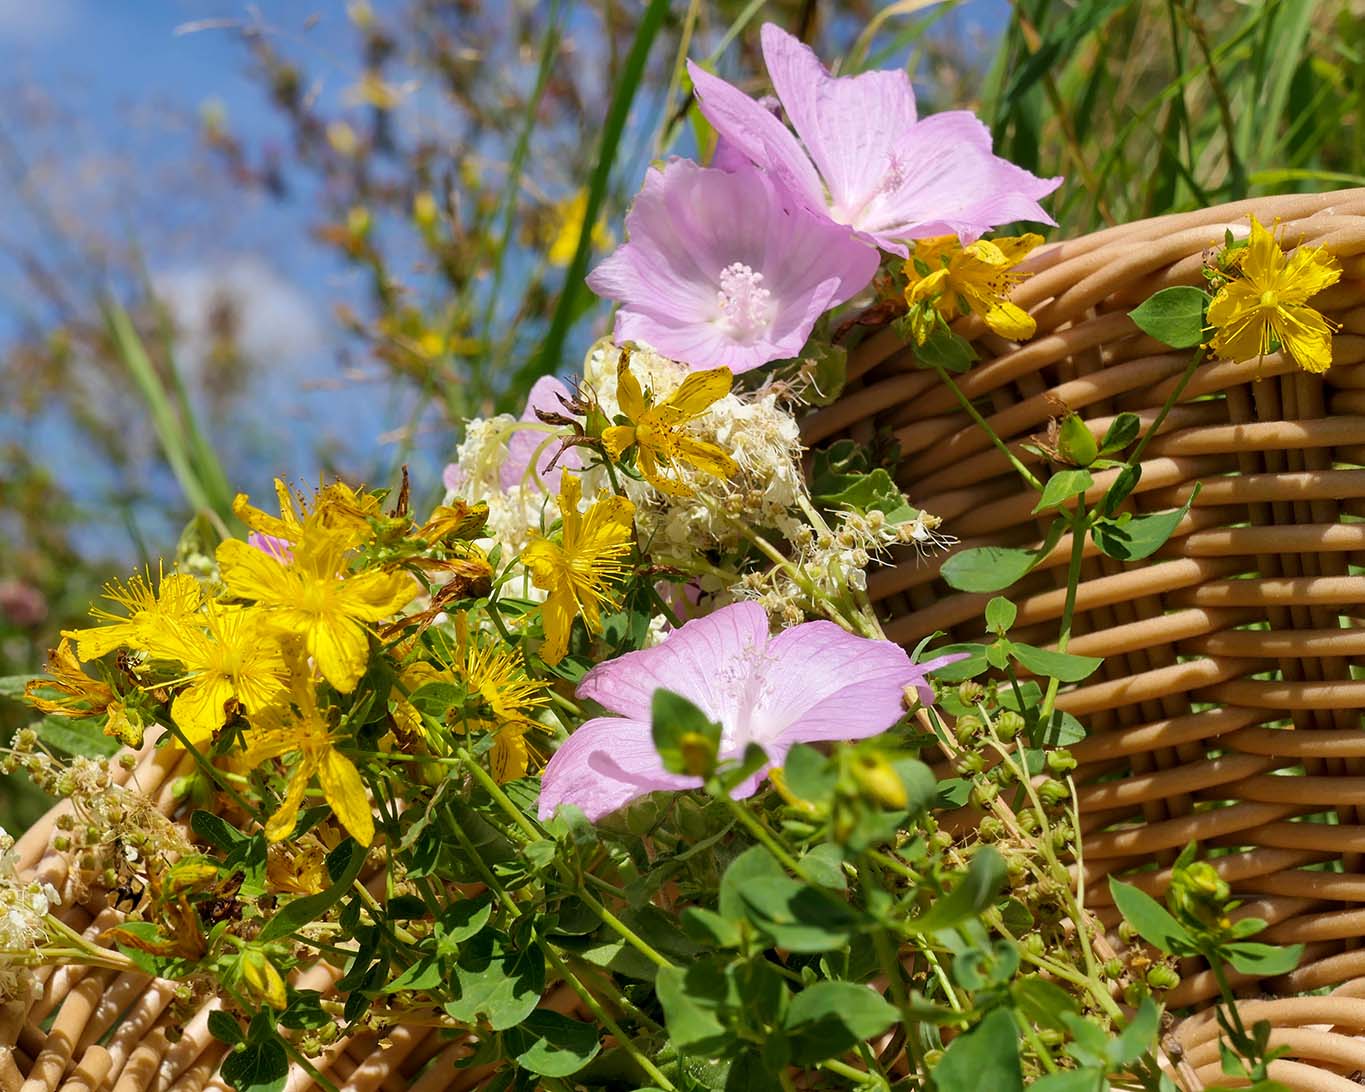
983,792
1009,724
990,829
1113,968
1162,977
1052,793
1034,944
1060,761
1134,992
970,692
967,728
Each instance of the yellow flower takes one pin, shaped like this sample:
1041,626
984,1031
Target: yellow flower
148,614
578,572
953,279
659,431
496,674
1268,305
297,726
81,696
314,598
567,225
228,656
336,507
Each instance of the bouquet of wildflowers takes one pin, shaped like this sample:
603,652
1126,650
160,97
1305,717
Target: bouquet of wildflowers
604,767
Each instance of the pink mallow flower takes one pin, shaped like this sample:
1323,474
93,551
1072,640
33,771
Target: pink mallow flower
723,270
864,158
812,682
278,548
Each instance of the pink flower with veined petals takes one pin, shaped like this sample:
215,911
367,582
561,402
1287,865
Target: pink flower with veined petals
812,682
864,158
723,270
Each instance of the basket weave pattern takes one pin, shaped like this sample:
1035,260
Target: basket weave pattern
1227,709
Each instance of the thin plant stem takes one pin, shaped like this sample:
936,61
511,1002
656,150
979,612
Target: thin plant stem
1079,524
1171,400
1024,472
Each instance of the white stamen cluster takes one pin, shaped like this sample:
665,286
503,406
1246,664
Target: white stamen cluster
23,907
745,305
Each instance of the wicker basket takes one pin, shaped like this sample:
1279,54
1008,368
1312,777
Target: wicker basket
1190,721
1227,709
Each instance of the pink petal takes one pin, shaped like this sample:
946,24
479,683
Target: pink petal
756,133
698,661
604,765
452,477
956,187
524,443
849,125
820,682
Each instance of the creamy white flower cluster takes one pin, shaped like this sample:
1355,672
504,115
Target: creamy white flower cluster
24,906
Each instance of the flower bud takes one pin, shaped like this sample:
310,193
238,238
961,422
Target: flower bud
1113,968
983,792
1053,793
879,780
262,980
1060,761
698,754
1076,444
990,829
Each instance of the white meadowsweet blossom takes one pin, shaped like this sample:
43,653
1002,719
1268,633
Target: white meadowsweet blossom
24,906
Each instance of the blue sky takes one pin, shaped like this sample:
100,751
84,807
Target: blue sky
104,106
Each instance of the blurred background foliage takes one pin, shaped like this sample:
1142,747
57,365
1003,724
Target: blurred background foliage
449,169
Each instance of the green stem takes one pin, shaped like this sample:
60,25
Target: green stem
1024,472
1171,400
763,836
1079,524
604,1018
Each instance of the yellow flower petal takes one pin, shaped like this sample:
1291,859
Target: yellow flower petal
281,825
341,649
345,792
557,615
629,396
509,757
1309,270
253,574
199,709
706,456
374,596
617,438
1306,336
1010,321
699,391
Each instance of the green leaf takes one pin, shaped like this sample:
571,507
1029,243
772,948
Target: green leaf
974,664
830,375
1123,430
1061,487
870,491
311,907
995,568
1072,1080
810,774
425,974
260,1066
79,736
825,863
1137,1038
976,889
1250,957
1126,481
692,998
710,928
686,739
1000,615
1131,538
830,1018
559,1045
225,1028
1041,1002
986,1057
946,350
1150,919
215,830
799,917
754,865
461,920
1174,316
12,686
498,982
1062,666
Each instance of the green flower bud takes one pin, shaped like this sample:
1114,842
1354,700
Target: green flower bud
1113,968
879,780
1060,761
1076,444
990,829
1162,977
983,792
1052,793
967,728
